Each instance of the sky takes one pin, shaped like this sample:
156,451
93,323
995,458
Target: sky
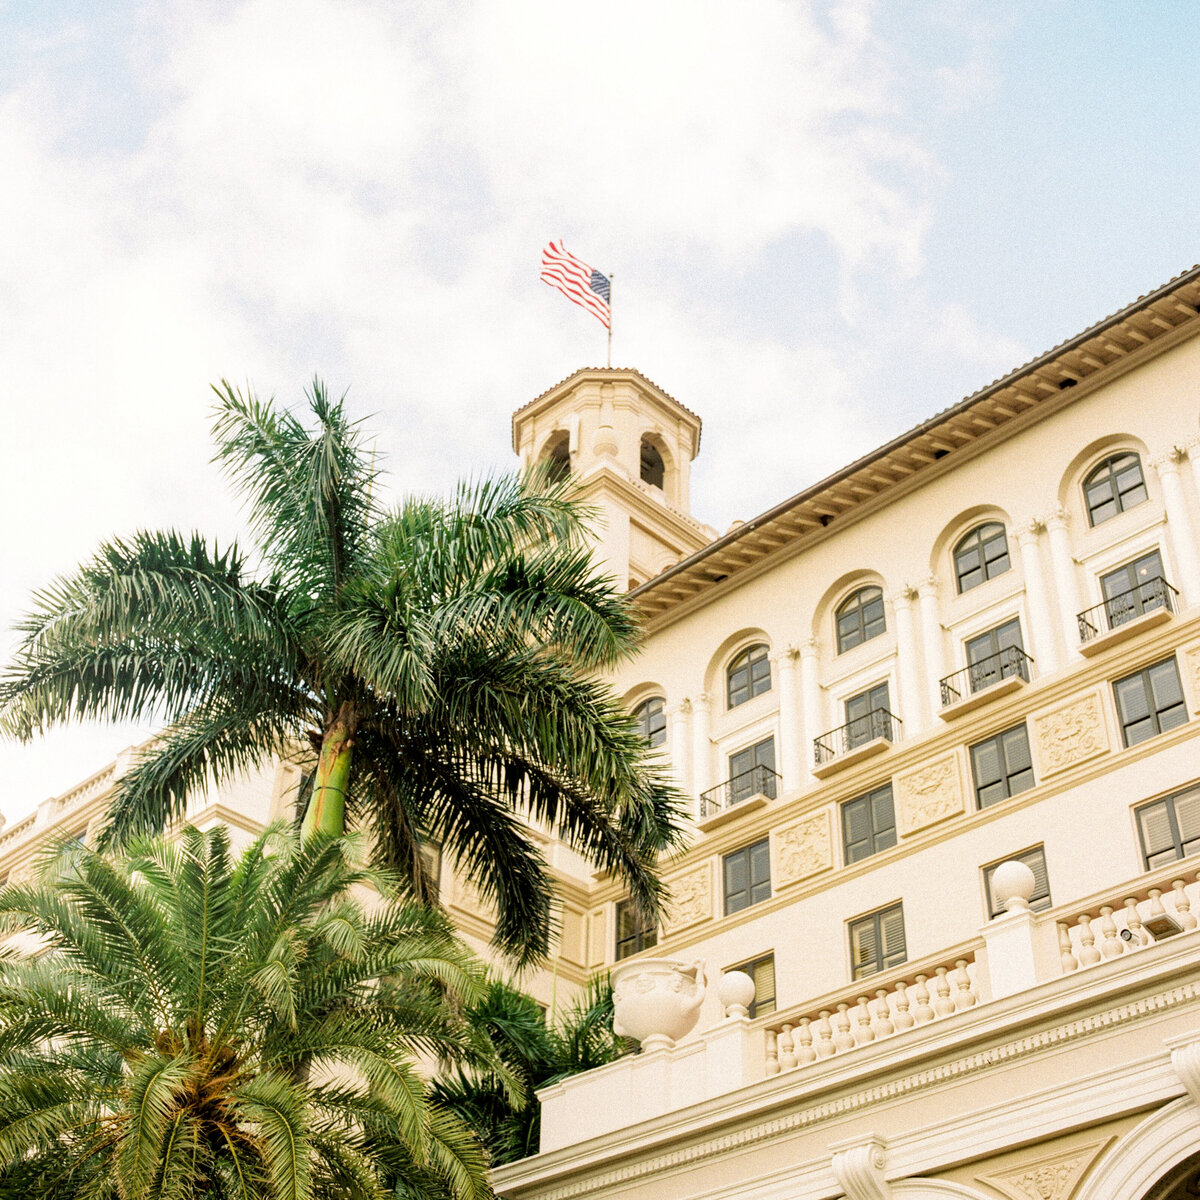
825,222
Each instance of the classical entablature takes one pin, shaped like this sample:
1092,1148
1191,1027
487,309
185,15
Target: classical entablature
1055,379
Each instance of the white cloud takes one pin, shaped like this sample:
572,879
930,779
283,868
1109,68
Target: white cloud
362,189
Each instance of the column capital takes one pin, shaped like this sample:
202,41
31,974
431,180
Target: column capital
1056,519
699,702
931,585
810,648
903,596
787,655
1168,462
684,708
1029,531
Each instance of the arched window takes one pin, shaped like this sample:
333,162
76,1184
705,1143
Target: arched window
558,456
651,718
860,618
749,675
654,470
1115,485
981,555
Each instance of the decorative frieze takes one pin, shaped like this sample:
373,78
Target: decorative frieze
1070,734
1191,657
1049,1178
803,849
929,794
691,899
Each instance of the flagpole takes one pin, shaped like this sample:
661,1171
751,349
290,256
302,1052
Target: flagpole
610,292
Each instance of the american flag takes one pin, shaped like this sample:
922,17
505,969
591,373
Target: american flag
577,281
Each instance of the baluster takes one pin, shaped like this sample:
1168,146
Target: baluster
772,1053
825,1046
803,1041
787,1055
863,1032
881,1015
1088,954
964,997
1133,921
903,1018
1155,908
1066,953
1110,944
943,1005
923,1012
843,1039
1183,906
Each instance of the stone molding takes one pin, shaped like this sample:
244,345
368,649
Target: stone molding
803,849
691,899
906,1085
1139,1159
1053,1177
928,794
1191,655
1071,733
1185,1059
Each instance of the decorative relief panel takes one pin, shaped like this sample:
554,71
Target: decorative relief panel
1051,1178
1070,734
929,794
691,899
1192,673
803,849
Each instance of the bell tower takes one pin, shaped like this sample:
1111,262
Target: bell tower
630,446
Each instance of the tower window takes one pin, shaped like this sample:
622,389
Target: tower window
558,456
654,471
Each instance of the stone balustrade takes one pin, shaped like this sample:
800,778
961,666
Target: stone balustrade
875,1008
1139,918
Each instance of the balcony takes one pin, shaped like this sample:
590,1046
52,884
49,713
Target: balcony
983,681
1127,953
743,793
1125,615
858,739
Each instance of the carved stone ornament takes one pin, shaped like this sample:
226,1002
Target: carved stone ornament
691,899
803,849
859,1170
1071,734
1192,657
1051,1178
928,795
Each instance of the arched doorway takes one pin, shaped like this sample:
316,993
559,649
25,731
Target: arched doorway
1182,1182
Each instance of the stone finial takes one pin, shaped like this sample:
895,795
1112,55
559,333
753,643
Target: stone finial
736,992
1013,884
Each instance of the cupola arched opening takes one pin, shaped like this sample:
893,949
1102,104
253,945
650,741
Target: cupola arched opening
557,455
652,466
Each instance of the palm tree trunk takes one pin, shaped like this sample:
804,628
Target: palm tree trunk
327,808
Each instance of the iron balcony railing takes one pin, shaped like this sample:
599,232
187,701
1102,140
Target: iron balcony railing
878,723
1118,610
758,781
1004,664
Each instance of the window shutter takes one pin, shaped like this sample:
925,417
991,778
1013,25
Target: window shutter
1155,822
892,935
1016,750
864,947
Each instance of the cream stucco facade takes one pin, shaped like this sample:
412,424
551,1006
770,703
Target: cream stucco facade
957,651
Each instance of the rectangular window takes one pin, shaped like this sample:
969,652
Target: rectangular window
868,824
634,932
762,971
747,875
1137,587
877,941
996,655
1035,860
867,716
1002,766
752,771
1150,701
1170,828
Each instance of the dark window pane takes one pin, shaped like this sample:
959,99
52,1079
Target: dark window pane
981,555
747,876
1002,766
633,932
877,941
1150,702
749,675
651,717
859,618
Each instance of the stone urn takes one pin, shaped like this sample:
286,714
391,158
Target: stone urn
656,1000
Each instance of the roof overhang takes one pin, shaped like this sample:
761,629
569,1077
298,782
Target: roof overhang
1040,384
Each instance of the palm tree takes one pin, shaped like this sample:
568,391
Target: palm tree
535,1051
199,1024
437,661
